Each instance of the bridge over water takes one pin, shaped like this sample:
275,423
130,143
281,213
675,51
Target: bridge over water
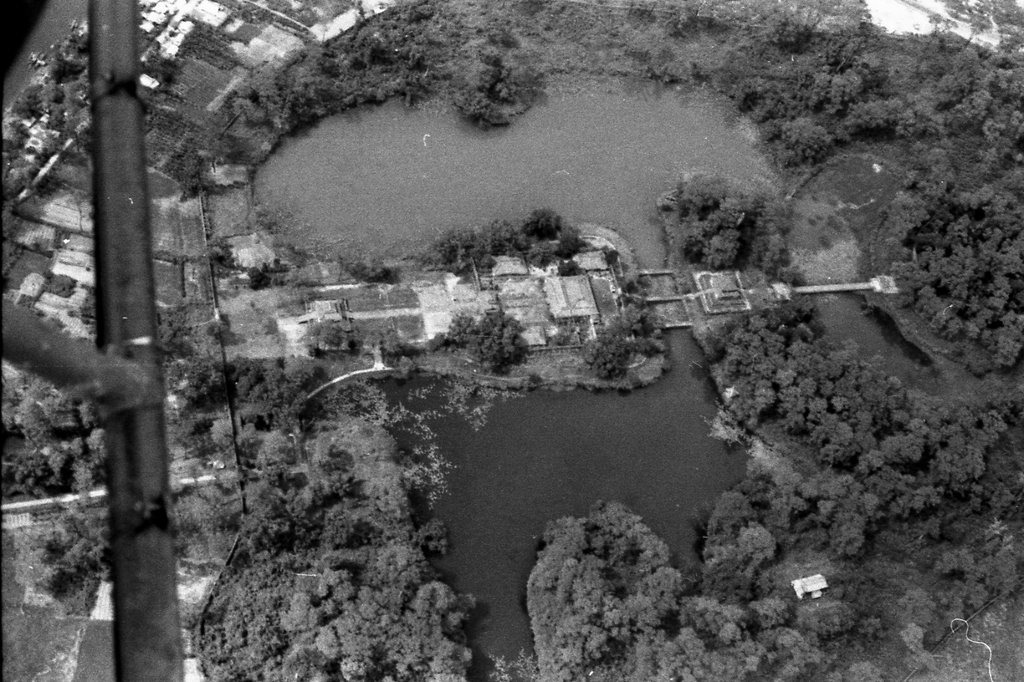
882,284
722,292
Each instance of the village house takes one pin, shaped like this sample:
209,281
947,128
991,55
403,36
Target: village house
813,585
31,287
74,264
509,266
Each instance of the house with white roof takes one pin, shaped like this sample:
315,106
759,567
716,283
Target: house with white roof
813,585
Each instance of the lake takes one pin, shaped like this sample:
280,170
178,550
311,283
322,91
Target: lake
385,180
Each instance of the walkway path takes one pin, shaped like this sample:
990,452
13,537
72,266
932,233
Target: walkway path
378,366
20,514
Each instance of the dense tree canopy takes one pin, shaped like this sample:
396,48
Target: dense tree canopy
722,226
966,275
628,334
495,339
538,239
76,555
882,455
271,395
57,443
330,582
605,604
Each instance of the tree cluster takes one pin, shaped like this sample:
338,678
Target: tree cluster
882,462
908,451
331,582
539,239
628,335
818,89
332,335
61,440
966,275
405,52
495,339
606,604
721,226
62,97
496,87
76,555
272,396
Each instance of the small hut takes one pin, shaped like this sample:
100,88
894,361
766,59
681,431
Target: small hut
812,585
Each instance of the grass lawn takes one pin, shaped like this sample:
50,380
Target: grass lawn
231,212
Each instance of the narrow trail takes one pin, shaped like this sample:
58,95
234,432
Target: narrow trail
378,366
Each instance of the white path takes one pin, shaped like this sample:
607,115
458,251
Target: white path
104,608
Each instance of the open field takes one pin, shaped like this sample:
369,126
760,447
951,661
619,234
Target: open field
231,212
169,283
38,643
252,319
177,227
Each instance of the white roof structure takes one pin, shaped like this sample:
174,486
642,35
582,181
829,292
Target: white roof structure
148,81
74,264
812,585
32,285
211,13
570,297
509,266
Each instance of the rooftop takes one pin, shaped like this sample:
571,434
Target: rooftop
591,260
509,266
570,296
812,585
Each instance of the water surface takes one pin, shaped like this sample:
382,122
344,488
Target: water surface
386,180
549,455
878,341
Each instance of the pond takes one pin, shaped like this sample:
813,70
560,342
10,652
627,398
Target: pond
878,341
548,455
385,180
